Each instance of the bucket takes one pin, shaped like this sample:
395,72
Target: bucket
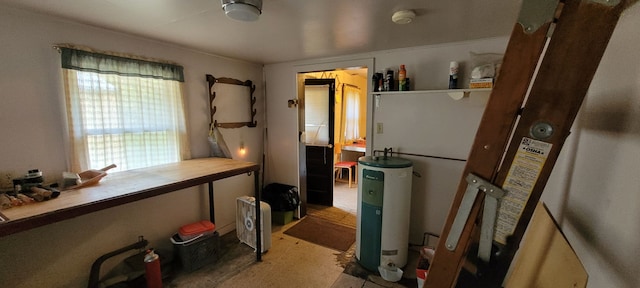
422,269
390,274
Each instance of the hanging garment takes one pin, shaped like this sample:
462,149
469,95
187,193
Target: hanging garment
218,146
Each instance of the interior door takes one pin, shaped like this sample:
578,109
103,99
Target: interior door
316,140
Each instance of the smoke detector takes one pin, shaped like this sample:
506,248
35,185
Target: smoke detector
403,16
242,10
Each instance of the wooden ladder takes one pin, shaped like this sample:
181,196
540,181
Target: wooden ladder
552,55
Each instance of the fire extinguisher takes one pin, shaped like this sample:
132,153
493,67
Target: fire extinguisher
152,269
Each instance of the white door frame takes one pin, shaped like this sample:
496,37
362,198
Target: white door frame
327,66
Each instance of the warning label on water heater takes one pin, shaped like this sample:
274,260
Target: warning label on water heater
523,174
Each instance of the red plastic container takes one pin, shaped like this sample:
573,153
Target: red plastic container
193,230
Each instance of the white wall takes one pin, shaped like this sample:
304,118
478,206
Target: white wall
594,192
594,189
429,124
31,125
281,163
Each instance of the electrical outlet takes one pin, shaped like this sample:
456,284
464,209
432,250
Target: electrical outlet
379,128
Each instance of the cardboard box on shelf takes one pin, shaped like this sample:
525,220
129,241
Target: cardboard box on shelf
481,83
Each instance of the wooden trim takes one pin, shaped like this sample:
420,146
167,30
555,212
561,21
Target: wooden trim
212,96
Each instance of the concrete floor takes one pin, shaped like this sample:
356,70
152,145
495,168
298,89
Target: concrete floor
290,262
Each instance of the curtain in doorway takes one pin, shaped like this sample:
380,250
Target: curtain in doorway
351,117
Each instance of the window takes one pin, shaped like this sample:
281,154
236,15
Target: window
123,111
351,113
316,117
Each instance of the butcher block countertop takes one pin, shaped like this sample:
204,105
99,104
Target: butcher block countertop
120,188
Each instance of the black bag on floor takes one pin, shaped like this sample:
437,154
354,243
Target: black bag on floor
281,197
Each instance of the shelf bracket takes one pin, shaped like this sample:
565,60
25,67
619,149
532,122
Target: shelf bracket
457,95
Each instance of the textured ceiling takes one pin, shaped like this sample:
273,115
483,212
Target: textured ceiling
289,30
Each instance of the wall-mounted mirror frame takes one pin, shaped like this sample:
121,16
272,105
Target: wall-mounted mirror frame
212,96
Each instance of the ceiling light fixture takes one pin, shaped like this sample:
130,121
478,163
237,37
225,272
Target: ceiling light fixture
403,16
242,10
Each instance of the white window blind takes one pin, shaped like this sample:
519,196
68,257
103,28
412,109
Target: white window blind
123,111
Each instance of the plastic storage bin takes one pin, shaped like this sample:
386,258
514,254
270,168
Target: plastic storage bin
197,252
281,197
281,217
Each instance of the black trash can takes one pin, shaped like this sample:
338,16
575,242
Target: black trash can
283,199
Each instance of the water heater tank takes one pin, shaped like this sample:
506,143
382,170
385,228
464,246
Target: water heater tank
384,201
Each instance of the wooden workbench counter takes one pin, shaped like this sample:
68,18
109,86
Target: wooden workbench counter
121,188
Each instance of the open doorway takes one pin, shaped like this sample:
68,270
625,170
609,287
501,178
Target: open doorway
347,117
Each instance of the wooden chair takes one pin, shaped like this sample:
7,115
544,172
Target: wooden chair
339,165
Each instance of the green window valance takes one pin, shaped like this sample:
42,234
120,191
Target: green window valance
110,64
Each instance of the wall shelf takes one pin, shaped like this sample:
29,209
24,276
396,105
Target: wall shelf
455,94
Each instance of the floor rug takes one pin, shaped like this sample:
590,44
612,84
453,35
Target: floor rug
332,214
322,232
